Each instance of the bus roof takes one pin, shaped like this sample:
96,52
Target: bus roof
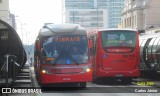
94,31
110,29
61,29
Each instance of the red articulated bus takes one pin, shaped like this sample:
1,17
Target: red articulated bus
115,53
62,55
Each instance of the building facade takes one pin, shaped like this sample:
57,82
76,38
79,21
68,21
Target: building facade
141,14
114,11
94,13
5,14
4,10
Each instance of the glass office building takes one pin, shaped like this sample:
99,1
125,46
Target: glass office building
94,13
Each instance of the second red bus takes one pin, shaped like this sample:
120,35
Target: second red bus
115,53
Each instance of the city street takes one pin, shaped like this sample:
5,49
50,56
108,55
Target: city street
105,88
79,48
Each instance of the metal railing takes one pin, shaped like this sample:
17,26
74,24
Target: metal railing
4,69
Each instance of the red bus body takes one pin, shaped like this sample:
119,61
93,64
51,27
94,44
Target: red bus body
62,67
114,60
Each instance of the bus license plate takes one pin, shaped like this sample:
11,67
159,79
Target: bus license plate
119,75
66,78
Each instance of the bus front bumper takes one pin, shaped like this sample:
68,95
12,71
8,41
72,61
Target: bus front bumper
65,78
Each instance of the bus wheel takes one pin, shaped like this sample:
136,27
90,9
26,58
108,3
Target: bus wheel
98,81
82,84
94,80
126,80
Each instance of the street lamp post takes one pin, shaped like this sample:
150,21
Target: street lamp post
21,28
62,2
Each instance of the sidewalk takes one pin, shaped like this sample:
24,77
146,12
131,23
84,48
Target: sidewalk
30,86
33,78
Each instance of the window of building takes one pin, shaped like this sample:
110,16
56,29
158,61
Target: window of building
130,21
125,23
135,20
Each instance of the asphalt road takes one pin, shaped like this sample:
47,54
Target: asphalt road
105,88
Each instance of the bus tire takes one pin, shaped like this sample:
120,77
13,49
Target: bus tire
82,84
94,80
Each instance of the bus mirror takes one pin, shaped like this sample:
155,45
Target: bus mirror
89,38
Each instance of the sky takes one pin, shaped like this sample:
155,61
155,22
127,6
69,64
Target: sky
32,14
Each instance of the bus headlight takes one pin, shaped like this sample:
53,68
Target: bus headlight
45,71
86,69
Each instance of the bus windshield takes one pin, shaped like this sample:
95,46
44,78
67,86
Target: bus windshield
118,38
65,49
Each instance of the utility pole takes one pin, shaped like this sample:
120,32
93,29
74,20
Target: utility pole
62,2
73,16
21,28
